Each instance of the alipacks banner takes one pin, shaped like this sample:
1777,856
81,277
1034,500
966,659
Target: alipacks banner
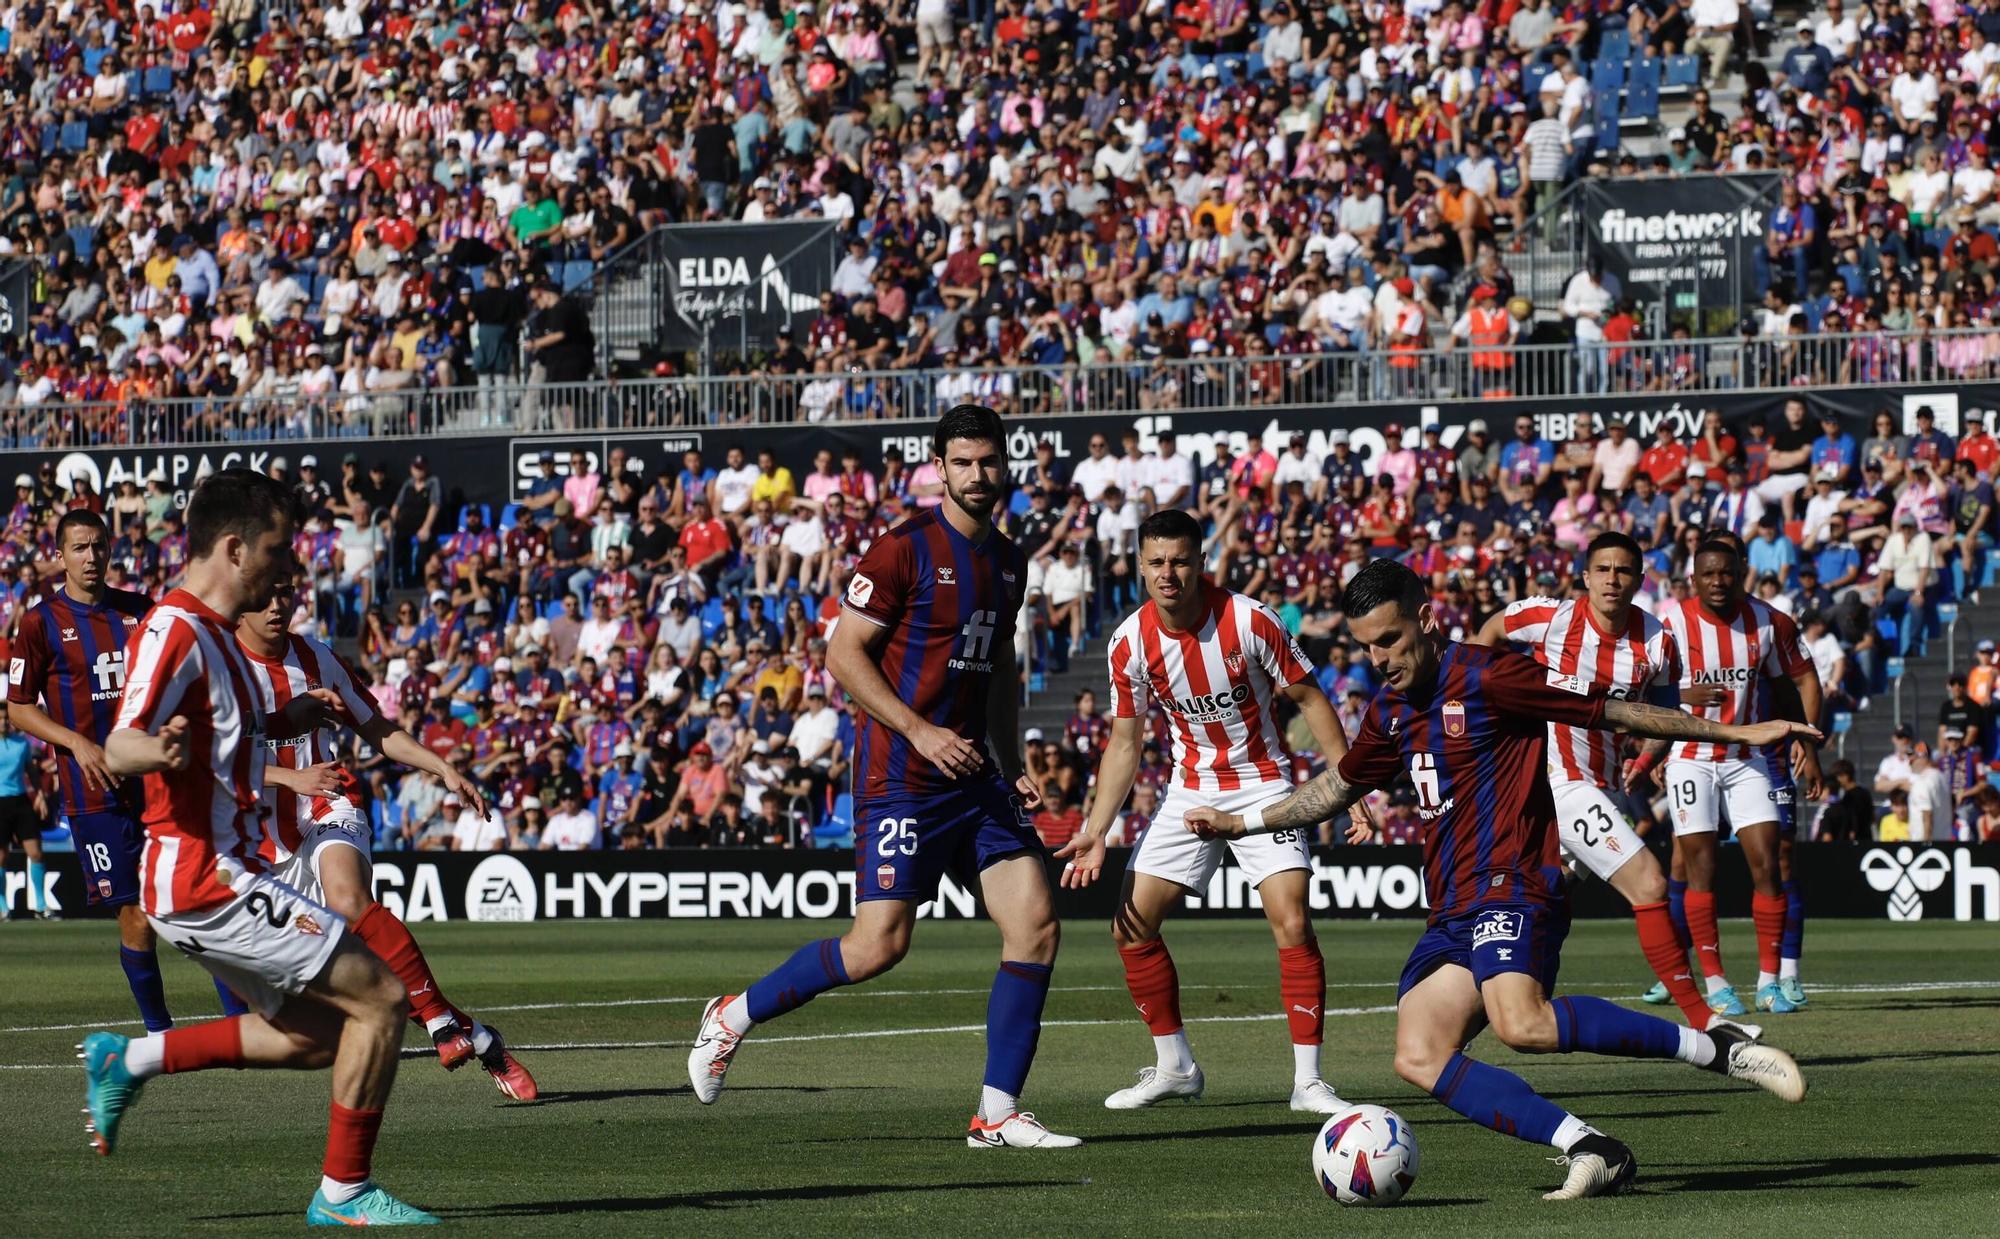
741,282
1691,240
497,469
1872,882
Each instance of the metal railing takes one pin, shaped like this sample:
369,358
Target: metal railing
1312,379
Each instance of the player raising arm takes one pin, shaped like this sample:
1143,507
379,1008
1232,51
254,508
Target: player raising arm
925,648
189,723
318,837
1469,725
1215,661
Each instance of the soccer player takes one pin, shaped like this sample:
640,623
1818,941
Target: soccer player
20,822
318,837
926,650
1603,641
1733,643
1215,661
1469,726
67,670
190,722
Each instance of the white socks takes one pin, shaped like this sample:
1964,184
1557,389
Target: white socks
482,1038
441,1022
1305,1063
1172,1053
146,1057
1695,1047
735,1015
338,1193
1788,970
1766,978
1570,1131
995,1105
1717,983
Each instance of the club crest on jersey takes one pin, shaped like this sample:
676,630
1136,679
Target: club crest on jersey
885,876
1454,718
1233,663
305,924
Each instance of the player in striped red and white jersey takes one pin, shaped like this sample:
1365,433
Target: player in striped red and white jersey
1214,662
1735,650
1602,642
319,837
190,722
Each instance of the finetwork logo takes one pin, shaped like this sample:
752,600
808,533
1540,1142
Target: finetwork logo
500,889
1619,228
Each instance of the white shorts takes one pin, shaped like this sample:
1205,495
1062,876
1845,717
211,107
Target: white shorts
934,33
266,944
301,872
1593,829
1748,790
1171,851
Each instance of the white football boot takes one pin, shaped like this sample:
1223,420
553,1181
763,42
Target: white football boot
1155,1086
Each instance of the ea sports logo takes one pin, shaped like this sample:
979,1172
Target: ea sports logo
1905,875
500,889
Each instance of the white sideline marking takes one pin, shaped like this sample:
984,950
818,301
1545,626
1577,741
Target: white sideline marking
1614,988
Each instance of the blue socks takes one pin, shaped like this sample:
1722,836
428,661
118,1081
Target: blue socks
37,876
1014,1024
812,970
142,973
1499,1100
1792,944
231,1004
1599,1027
1677,911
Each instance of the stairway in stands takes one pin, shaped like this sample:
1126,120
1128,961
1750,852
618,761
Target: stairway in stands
1923,687
1051,707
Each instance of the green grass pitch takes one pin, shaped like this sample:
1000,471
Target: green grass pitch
848,1116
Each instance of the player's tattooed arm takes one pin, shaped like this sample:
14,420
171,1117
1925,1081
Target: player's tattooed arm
1639,718
1325,796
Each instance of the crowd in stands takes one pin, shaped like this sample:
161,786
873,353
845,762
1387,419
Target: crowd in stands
348,202
632,660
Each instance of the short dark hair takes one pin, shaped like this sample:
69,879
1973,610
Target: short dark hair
1715,545
969,421
1613,540
237,501
1384,581
79,517
1173,524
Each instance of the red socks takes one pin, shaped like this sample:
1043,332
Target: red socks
1768,911
200,1047
1302,988
390,939
1669,962
1155,986
1701,928
350,1143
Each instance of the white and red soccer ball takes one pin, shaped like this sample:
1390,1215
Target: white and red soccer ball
1365,1155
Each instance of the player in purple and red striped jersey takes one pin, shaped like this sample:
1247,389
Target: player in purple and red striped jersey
925,649
63,685
1468,724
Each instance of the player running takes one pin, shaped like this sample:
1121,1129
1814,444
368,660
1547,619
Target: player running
925,648
67,670
318,838
1214,660
189,722
1603,641
1468,725
1730,644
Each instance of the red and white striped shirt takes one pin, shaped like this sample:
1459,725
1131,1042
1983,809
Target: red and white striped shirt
1581,656
202,822
306,665
1215,685
1729,655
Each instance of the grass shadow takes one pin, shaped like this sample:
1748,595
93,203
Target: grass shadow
1786,1175
730,1199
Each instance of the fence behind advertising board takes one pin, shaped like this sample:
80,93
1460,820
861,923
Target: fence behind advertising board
1894,882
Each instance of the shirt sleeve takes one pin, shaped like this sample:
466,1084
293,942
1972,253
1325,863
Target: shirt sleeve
1528,619
1277,651
1787,655
1518,686
1372,760
1130,690
880,589
28,668
165,660
342,680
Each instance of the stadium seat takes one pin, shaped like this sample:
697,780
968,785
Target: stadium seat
1607,119
510,516
837,831
1642,91
160,80
1681,72
1531,79
84,238
1614,44
1607,77
51,134
1018,503
75,136
711,617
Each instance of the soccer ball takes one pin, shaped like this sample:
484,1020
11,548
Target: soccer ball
1365,1155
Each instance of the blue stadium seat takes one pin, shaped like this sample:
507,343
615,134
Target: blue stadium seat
1531,79
1614,44
1607,119
160,80
510,516
711,617
1681,72
1607,77
1642,90
1017,503
84,238
75,136
51,134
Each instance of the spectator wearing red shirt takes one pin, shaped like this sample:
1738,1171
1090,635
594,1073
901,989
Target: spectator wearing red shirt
1666,460
1061,816
707,543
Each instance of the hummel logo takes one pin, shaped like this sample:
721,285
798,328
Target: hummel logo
944,576
1311,1013
69,634
1394,724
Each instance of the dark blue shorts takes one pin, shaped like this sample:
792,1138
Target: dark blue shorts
108,846
1491,939
905,843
